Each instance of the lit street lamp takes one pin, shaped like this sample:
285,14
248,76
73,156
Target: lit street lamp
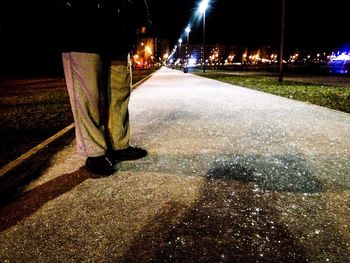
180,42
188,30
202,8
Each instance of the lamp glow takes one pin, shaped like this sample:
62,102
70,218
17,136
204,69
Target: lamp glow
203,6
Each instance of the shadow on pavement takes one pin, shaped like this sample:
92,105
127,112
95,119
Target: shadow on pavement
25,205
281,173
235,222
223,226
31,167
288,173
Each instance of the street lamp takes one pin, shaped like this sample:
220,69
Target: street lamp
188,30
202,8
283,14
180,42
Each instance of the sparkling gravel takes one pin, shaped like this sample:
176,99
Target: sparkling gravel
232,175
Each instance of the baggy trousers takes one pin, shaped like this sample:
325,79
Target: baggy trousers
99,95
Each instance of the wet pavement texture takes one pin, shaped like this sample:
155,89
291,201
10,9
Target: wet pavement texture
232,175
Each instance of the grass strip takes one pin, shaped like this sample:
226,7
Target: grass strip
333,97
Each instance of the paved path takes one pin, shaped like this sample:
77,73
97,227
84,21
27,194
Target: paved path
233,175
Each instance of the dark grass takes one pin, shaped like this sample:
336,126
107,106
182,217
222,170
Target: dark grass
332,96
32,110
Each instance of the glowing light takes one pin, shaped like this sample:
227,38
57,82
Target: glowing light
340,64
203,6
342,57
188,29
192,62
148,50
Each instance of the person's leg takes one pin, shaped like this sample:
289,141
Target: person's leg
82,71
83,80
118,118
118,121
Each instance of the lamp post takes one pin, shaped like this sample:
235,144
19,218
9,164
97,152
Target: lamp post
174,55
180,42
202,8
174,51
283,14
188,30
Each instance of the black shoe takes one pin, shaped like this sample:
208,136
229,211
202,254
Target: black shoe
100,165
130,153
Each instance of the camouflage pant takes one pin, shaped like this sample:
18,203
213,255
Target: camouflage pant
86,83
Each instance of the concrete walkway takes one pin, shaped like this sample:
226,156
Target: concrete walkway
233,175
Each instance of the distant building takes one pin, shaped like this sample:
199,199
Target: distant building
214,53
149,49
161,48
220,55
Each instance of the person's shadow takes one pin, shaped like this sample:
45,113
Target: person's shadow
25,205
218,228
234,220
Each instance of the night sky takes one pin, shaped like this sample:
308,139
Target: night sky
310,24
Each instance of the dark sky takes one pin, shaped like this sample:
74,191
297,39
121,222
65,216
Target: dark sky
309,23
